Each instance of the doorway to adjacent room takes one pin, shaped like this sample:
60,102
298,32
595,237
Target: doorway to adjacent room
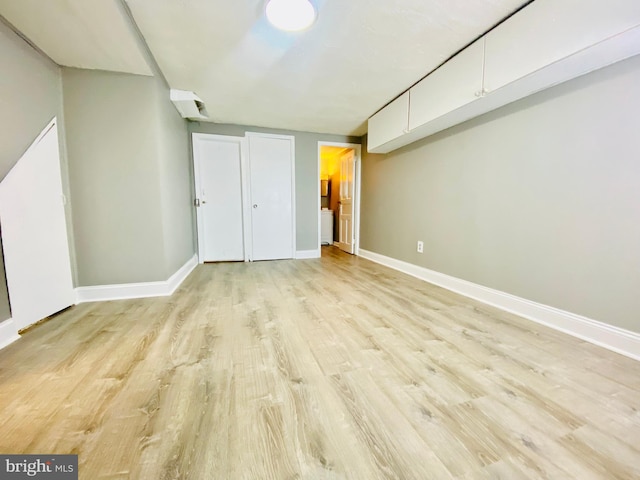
339,195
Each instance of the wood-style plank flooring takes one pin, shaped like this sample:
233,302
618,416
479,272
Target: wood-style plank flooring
335,368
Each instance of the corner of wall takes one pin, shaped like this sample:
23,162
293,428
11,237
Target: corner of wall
175,167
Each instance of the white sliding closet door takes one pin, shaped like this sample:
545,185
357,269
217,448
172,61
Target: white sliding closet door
34,233
271,159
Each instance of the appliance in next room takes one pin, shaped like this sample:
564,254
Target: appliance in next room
326,226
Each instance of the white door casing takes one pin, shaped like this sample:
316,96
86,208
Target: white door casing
357,149
218,172
272,193
34,233
347,202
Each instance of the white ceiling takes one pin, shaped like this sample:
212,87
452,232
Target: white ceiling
94,34
358,56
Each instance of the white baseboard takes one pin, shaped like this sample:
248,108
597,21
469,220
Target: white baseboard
613,338
136,290
183,272
8,333
306,254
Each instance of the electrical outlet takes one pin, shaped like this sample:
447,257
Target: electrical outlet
420,246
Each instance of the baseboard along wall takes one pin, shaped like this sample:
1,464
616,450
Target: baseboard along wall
8,333
612,338
125,291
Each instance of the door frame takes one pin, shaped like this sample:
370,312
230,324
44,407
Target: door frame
292,139
357,148
196,139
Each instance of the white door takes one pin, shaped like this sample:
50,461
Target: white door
34,233
346,212
271,159
218,178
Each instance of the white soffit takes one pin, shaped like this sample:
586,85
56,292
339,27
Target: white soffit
93,34
356,57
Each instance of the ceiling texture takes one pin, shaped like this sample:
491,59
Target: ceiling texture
358,56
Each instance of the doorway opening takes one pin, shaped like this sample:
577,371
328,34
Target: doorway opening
339,195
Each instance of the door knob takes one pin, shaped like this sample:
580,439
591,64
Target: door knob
255,205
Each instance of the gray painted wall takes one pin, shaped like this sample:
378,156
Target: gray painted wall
112,142
306,167
176,185
540,199
30,96
5,308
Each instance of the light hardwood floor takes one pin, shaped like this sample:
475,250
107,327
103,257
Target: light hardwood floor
335,368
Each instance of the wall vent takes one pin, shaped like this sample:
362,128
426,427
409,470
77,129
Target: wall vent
188,104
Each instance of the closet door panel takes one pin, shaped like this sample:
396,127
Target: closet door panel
271,161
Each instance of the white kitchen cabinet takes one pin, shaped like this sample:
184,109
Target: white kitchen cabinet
390,123
455,84
547,31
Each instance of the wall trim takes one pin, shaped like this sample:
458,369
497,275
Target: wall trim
101,293
307,254
181,274
8,333
613,338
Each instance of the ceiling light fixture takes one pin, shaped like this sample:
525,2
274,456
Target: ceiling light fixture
290,15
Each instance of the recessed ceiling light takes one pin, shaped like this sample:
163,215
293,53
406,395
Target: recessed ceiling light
290,15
